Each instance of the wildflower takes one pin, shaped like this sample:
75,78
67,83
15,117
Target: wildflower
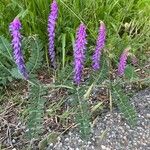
14,28
99,46
79,53
51,31
123,61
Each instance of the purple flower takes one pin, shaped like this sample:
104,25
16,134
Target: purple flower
14,28
122,62
51,31
99,46
79,53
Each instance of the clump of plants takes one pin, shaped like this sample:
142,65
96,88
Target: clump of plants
78,87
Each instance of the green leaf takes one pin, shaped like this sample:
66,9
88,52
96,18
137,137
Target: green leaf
124,105
83,114
63,50
130,73
5,48
35,111
16,74
35,49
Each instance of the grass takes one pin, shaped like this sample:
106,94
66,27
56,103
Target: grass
127,23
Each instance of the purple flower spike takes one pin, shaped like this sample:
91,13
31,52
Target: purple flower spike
123,61
51,31
14,28
79,53
99,46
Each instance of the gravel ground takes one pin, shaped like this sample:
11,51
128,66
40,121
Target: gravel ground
111,132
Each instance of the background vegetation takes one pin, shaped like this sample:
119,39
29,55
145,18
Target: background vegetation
127,22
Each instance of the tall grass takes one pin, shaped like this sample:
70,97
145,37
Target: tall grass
127,22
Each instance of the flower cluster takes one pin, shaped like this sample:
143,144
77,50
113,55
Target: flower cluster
79,53
51,31
79,46
99,46
123,61
14,28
